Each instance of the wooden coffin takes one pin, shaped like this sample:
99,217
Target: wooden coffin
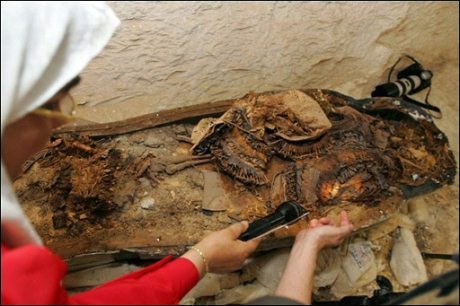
152,185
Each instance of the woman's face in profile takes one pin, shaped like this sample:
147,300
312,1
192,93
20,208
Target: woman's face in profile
29,134
26,136
23,138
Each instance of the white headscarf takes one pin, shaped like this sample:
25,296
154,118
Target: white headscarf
44,46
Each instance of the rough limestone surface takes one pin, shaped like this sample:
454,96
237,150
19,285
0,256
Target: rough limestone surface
171,54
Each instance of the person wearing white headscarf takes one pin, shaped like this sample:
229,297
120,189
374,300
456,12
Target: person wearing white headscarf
45,45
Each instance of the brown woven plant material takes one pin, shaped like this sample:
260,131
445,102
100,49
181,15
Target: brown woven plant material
331,155
163,186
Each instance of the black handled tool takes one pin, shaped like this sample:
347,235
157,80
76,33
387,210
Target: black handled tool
287,213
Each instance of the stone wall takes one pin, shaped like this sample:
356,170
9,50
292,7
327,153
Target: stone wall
170,54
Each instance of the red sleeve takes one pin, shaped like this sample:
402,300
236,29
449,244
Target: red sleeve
33,275
165,282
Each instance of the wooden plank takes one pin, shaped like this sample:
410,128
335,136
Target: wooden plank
147,121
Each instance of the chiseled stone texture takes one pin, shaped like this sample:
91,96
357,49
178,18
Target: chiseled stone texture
170,54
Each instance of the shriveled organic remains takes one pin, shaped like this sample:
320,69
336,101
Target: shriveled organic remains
156,183
333,149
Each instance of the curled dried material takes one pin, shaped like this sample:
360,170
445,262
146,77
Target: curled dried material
292,183
209,131
346,131
241,122
239,152
301,150
237,165
354,175
261,125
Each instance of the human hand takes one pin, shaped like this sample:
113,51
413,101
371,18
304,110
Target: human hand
324,233
297,280
222,249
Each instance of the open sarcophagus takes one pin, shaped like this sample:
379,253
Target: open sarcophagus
158,183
